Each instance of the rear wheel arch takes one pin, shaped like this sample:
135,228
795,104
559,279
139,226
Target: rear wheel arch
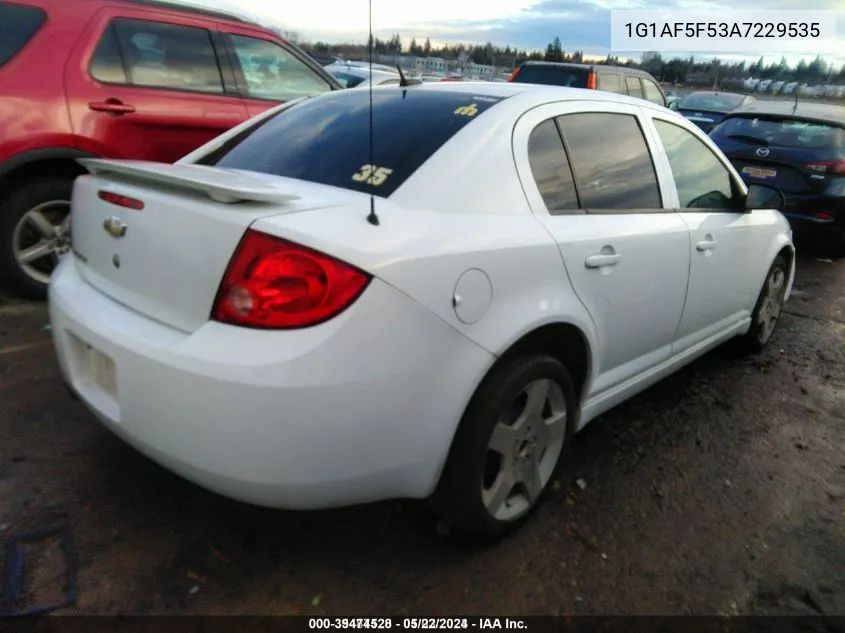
41,163
564,342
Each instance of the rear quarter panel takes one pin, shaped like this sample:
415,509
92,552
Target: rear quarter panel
33,108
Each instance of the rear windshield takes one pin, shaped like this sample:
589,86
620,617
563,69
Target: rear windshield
553,76
776,132
18,23
712,102
325,139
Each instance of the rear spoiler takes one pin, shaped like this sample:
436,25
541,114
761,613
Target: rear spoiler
222,185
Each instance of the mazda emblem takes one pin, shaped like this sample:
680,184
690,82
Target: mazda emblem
763,151
114,227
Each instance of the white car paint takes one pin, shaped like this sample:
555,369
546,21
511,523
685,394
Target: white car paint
364,406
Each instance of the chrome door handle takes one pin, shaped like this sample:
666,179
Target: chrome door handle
706,245
601,260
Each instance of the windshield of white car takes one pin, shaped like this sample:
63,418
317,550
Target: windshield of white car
326,139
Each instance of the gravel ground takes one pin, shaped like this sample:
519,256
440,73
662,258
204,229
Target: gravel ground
720,490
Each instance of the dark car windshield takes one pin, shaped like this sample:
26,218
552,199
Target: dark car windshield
18,23
553,76
778,132
711,102
326,139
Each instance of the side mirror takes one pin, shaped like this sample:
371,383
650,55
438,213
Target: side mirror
673,105
764,197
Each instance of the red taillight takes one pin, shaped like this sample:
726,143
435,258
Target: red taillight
121,201
827,167
515,73
591,80
275,284
821,215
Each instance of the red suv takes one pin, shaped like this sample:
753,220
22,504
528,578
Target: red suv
140,79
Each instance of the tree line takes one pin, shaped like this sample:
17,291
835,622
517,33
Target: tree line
670,70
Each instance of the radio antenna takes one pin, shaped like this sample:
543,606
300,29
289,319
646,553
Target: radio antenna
372,218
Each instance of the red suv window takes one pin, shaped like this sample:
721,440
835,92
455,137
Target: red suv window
157,55
18,24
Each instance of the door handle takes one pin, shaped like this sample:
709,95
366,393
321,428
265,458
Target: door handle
706,245
601,260
111,106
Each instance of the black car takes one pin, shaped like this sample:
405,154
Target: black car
618,79
798,148
707,108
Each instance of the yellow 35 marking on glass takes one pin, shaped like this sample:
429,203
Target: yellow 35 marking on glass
470,110
372,175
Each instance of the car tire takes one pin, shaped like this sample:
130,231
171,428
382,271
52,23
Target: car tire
767,311
48,198
517,426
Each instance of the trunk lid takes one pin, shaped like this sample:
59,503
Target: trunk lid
166,260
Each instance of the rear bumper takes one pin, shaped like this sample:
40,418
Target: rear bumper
358,409
802,210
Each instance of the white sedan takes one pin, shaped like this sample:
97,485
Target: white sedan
292,320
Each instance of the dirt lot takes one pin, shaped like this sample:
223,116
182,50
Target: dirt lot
721,490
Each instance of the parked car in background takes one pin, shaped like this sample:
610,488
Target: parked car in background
118,79
671,97
799,149
706,108
362,77
364,64
592,246
617,79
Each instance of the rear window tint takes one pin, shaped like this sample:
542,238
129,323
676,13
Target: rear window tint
553,76
774,132
326,139
18,23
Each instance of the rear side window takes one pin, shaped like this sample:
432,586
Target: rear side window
551,170
611,82
790,133
634,87
274,73
652,92
18,24
157,55
326,139
553,76
611,161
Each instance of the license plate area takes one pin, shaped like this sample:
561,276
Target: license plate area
94,368
760,173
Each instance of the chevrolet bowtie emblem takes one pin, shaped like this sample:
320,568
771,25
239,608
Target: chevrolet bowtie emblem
114,227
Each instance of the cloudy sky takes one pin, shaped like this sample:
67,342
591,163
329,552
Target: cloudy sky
530,24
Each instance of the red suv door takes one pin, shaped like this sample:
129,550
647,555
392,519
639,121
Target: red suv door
148,85
268,71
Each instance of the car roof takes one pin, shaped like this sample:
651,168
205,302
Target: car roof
717,93
220,14
820,112
532,95
622,69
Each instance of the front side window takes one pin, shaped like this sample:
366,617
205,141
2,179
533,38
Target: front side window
611,161
701,179
652,92
18,25
551,170
273,73
157,55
